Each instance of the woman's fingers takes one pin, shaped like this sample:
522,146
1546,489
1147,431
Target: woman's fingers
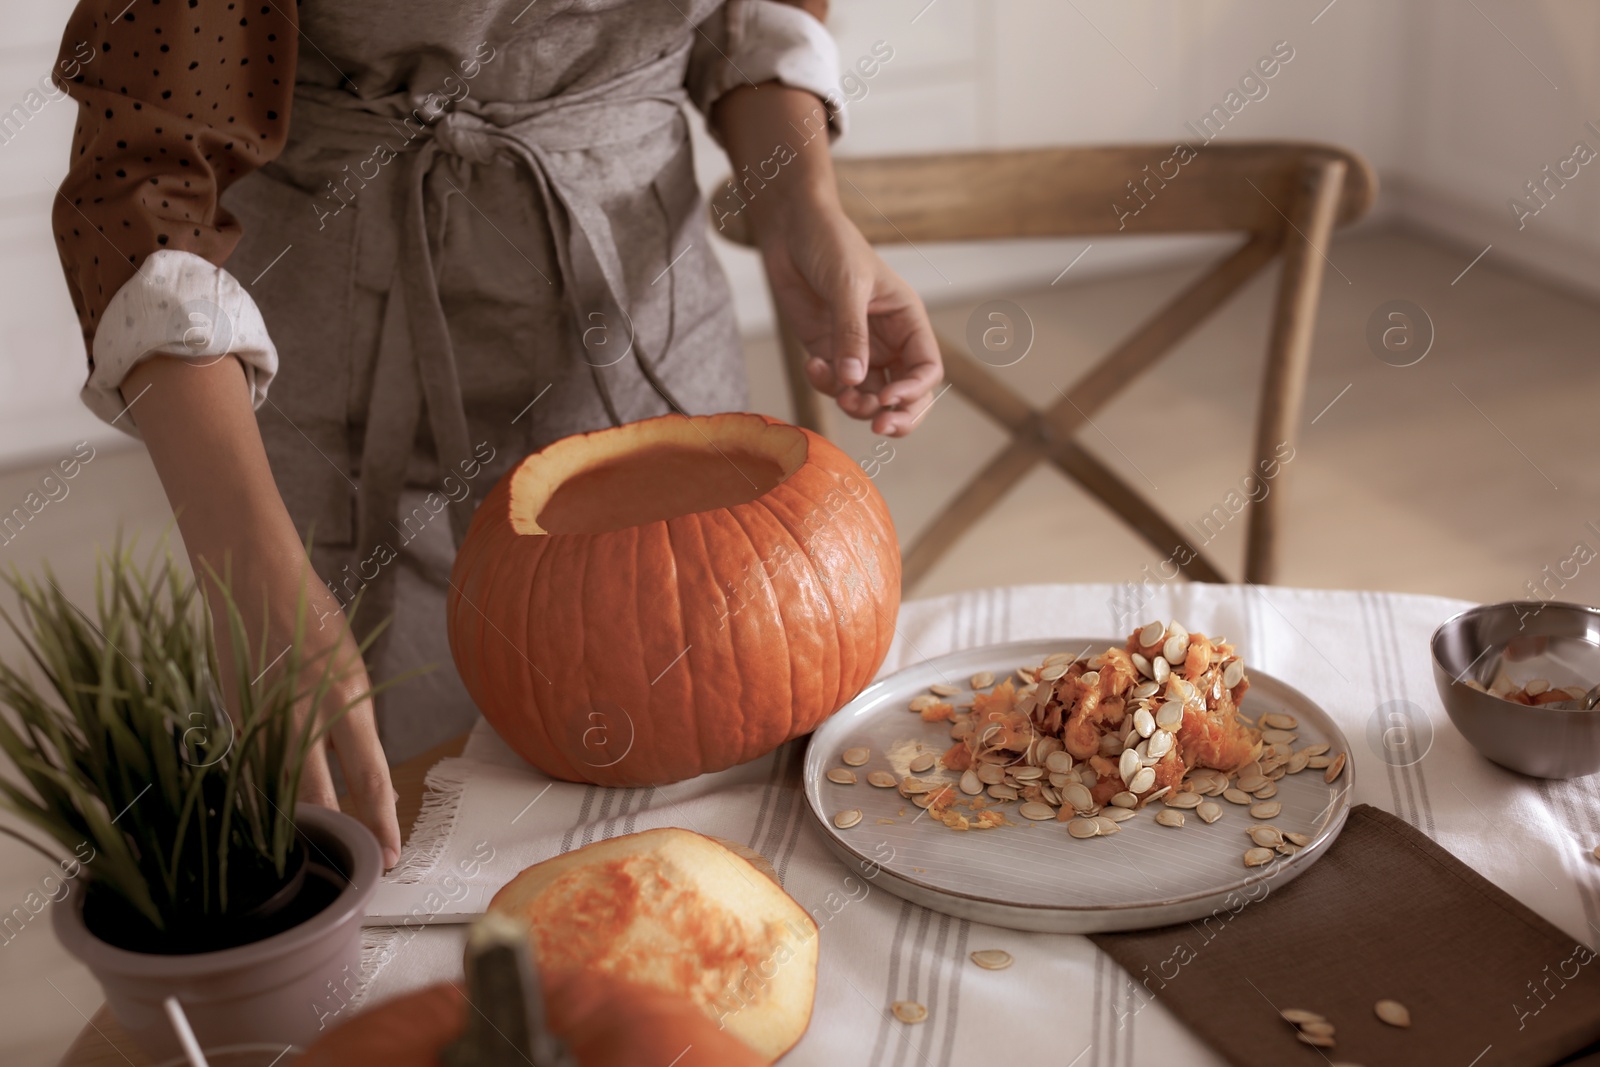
849,334
316,782
366,774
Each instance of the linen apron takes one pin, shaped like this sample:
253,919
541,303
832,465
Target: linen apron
483,234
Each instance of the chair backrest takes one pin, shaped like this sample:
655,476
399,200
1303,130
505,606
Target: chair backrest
1287,197
1076,192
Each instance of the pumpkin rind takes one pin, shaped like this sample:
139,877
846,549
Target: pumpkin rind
657,652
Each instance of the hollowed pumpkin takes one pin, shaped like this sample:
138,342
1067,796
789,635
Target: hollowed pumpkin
644,604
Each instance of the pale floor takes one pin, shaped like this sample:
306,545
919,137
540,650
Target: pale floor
1464,475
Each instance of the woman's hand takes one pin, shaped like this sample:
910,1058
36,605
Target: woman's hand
865,331
197,422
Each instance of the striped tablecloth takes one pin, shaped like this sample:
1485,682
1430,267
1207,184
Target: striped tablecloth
1063,1002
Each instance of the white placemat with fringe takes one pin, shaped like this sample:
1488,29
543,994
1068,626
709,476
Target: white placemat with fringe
488,815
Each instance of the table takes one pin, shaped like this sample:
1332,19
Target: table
1360,655
102,1043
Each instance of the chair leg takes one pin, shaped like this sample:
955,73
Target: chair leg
805,401
1294,317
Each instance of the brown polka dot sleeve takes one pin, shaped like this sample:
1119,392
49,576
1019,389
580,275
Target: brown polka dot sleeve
177,100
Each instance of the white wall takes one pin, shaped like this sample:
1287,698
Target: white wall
1454,116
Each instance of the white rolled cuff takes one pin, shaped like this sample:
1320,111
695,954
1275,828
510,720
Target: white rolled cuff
181,305
771,41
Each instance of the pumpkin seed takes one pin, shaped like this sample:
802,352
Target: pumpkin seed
1150,634
882,779
924,800
1277,720
1301,840
1209,812
1027,774
1267,809
982,680
1050,795
910,786
1334,768
1141,664
1301,1015
1054,672
1124,799
1297,763
1058,762
1077,796
1278,737
991,773
1236,796
992,959
1036,811
1252,782
1169,817
1317,749
1233,673
923,701
1143,691
1090,680
847,818
855,757
1003,792
1266,836
842,775
970,783
922,763
1105,825
1393,1012
1170,715
1182,800
909,1011
1316,1040
1063,658
1128,764
1084,828
1118,814
1144,722
1176,648
1143,780
1159,745
943,689
1160,670
1317,763
1258,857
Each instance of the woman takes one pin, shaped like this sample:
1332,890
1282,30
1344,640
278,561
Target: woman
453,234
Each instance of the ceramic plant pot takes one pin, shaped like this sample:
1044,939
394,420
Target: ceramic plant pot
284,989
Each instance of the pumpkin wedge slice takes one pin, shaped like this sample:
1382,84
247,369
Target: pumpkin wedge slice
674,910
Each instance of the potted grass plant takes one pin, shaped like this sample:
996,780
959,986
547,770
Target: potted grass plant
201,878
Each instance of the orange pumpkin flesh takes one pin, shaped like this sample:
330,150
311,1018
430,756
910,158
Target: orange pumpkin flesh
647,603
605,1022
672,910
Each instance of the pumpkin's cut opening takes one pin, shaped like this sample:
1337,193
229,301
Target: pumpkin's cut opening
651,471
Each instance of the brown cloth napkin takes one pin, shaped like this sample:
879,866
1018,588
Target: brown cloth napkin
1386,913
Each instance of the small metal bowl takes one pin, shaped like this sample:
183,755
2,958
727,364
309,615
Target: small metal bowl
1528,639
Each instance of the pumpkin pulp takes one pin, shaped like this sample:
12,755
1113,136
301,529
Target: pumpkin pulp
656,483
649,472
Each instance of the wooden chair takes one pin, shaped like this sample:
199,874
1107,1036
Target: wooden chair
1286,198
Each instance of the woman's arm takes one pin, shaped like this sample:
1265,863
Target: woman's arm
197,421
865,329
